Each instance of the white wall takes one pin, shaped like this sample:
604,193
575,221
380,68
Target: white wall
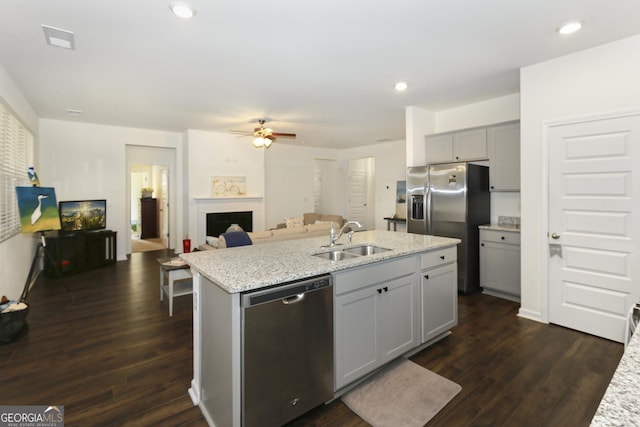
496,110
599,80
212,154
418,123
88,161
289,180
17,252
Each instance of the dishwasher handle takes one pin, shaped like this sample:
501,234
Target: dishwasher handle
288,293
292,300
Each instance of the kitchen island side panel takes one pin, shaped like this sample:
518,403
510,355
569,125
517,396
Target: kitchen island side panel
220,399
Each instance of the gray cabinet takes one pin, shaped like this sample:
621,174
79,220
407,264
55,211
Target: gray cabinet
376,316
498,143
386,309
439,292
463,145
504,156
500,263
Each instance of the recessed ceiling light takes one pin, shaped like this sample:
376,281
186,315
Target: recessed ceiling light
73,112
182,10
570,27
401,86
59,38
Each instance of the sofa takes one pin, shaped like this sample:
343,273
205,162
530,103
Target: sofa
309,225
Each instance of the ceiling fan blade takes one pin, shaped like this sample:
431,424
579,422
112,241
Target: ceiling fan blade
284,135
240,132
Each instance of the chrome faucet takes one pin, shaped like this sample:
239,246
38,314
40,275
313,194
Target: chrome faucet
335,238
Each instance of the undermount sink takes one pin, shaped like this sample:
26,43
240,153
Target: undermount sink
353,252
335,255
366,250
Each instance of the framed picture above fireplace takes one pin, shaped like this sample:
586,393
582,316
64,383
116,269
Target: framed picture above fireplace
228,186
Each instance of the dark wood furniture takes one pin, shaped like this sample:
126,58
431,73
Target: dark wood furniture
149,223
395,222
78,251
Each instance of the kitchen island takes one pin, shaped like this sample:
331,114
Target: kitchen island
421,268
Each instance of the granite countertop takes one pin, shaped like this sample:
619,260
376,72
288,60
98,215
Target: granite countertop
501,227
620,405
245,268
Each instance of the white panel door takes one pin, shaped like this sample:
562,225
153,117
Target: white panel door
594,197
317,190
358,210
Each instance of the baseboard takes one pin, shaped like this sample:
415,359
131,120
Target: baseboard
531,315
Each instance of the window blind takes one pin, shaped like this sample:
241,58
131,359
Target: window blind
16,155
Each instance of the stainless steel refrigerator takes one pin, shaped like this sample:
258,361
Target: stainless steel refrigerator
451,200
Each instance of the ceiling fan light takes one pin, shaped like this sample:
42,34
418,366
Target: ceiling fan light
259,142
182,9
267,143
570,27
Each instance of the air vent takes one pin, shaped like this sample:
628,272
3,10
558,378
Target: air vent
59,38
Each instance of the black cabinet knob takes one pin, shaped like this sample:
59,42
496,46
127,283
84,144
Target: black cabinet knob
442,257
481,244
386,289
426,276
502,237
379,291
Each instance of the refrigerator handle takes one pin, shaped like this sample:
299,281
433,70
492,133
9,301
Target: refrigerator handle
427,192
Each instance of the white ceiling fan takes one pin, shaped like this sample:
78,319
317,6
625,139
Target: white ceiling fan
264,136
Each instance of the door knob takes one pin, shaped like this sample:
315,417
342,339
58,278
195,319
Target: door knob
555,236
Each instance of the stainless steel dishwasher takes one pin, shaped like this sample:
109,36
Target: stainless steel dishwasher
287,351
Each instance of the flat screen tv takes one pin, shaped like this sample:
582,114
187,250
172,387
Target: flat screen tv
83,215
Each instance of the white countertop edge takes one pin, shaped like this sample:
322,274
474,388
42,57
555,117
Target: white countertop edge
276,263
620,405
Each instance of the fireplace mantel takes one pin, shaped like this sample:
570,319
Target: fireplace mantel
226,198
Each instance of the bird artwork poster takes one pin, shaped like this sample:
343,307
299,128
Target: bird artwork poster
38,209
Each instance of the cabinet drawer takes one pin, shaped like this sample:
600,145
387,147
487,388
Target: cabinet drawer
438,257
360,277
511,237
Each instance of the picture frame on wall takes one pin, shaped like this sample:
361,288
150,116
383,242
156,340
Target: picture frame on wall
228,186
401,200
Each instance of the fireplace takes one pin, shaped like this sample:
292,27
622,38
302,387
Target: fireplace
207,205
218,222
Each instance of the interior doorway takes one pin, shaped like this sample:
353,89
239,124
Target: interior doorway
149,207
150,188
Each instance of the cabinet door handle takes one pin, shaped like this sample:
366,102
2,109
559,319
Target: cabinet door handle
442,257
379,291
481,244
502,237
386,289
426,276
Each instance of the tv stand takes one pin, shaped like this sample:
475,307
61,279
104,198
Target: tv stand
77,251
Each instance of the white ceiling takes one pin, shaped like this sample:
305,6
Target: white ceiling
325,70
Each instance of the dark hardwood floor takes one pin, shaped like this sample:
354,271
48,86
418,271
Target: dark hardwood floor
114,357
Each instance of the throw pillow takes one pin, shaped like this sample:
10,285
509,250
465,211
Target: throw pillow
293,222
310,218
